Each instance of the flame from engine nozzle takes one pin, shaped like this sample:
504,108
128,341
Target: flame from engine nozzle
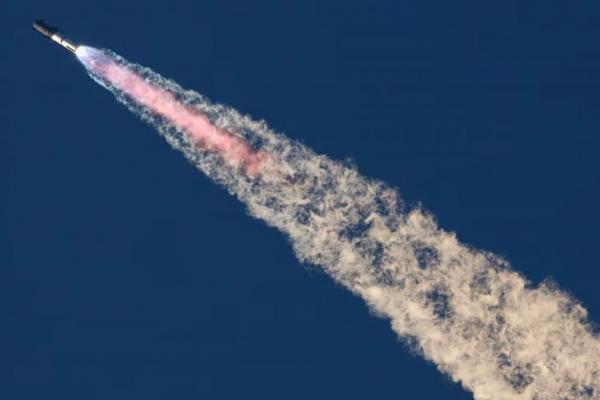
81,52
234,151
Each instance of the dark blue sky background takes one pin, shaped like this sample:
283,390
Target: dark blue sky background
126,274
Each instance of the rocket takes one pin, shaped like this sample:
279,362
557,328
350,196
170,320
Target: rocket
52,33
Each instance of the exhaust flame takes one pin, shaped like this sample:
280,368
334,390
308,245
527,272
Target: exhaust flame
465,310
164,104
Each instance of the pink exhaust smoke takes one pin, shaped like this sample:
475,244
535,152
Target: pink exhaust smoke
234,151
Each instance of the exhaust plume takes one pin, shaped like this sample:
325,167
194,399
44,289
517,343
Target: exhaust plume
465,310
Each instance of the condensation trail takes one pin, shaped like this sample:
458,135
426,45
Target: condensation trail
465,310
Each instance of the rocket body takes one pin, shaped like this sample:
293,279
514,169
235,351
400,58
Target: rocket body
64,42
52,34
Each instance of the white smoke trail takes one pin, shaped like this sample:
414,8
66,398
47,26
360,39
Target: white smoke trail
465,310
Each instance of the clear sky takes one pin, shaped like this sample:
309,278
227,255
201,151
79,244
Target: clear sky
125,273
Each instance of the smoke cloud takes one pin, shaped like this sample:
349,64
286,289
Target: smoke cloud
465,310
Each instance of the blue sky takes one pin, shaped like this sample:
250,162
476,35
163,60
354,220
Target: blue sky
124,273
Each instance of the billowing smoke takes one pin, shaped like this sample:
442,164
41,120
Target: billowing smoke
465,310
